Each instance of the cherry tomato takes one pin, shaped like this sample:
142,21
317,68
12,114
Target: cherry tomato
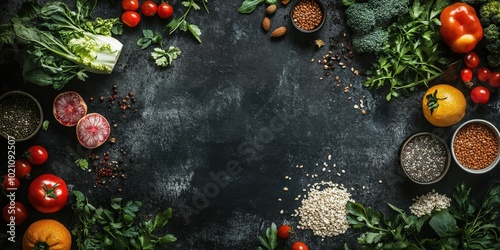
165,10
466,75
131,18
15,211
494,80
130,5
149,8
23,168
480,94
471,60
284,231
299,246
11,183
483,74
48,193
37,155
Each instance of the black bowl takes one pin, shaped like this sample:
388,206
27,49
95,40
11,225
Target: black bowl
323,12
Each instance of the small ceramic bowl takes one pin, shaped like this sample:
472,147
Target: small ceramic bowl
21,116
476,157
298,5
424,158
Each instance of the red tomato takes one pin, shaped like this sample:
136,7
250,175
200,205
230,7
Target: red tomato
466,75
284,231
471,60
494,80
15,211
10,183
130,5
480,94
149,8
23,168
299,246
131,18
165,10
483,74
37,155
48,193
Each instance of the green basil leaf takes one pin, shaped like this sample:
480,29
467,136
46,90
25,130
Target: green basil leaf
248,6
272,2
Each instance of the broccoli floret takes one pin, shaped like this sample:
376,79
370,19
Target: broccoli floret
473,2
493,60
360,18
371,42
490,13
492,38
385,10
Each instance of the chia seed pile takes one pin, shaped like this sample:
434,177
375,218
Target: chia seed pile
19,116
424,158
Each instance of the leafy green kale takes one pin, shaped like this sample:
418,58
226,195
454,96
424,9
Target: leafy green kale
490,13
372,42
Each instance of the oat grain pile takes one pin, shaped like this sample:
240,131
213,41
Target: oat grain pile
324,209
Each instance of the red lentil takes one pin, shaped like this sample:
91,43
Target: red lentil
307,14
475,146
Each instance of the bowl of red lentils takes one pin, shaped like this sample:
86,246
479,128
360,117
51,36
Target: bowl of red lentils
475,146
308,16
424,158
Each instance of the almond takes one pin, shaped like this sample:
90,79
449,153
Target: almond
271,9
266,23
278,32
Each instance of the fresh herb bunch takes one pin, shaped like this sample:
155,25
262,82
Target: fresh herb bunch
165,58
413,54
148,38
181,23
467,225
270,239
100,228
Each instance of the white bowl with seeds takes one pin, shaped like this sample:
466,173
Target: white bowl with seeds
475,146
425,158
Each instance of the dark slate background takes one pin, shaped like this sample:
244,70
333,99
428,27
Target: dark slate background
243,99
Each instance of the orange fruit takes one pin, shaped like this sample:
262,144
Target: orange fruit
443,105
47,233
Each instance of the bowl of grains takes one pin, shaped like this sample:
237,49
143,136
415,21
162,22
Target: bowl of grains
308,15
21,116
475,146
424,158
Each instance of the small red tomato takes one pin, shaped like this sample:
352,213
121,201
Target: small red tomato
483,74
15,211
165,10
130,5
284,231
466,75
131,18
299,246
494,80
23,168
480,94
37,155
149,8
471,60
11,183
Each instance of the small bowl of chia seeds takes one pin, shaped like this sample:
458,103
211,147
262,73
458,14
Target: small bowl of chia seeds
21,116
475,146
424,158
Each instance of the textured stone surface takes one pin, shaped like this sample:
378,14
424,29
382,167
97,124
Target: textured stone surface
242,102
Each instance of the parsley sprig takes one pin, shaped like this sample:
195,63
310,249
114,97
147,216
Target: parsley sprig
182,24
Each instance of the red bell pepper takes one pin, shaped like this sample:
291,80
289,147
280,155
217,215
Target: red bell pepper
460,27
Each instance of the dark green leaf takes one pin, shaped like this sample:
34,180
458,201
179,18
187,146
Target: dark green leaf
248,6
444,224
167,239
195,31
162,218
272,2
84,8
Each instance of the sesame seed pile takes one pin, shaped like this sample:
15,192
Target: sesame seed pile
424,204
324,209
